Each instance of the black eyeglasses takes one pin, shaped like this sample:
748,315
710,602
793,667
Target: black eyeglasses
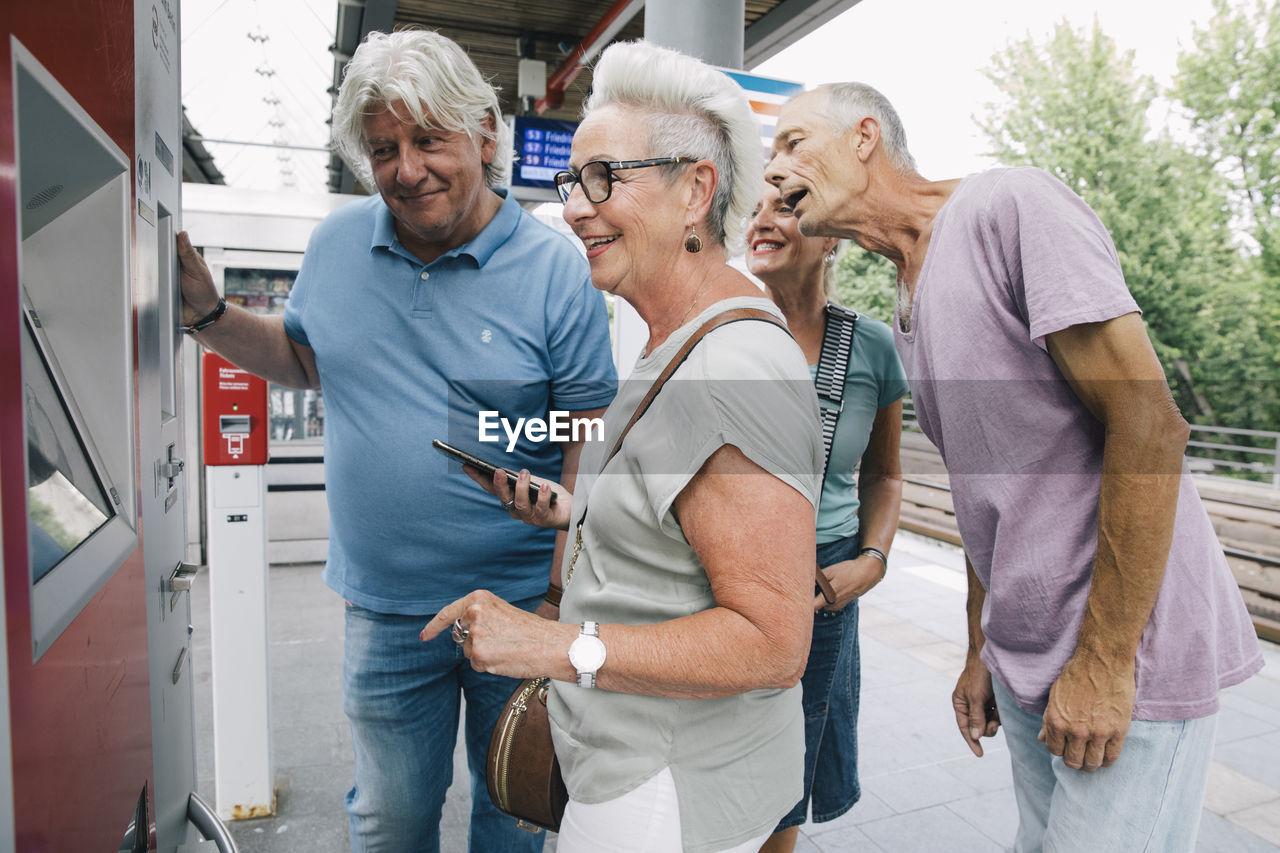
596,178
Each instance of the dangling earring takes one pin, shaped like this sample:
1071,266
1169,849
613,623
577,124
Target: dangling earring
830,258
693,243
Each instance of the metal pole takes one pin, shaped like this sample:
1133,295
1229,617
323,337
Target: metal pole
243,765
1275,466
613,20
206,822
204,140
711,30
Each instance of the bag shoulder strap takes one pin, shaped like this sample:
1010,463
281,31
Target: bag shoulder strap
833,366
733,315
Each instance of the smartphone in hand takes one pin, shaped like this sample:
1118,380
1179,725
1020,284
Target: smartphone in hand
487,467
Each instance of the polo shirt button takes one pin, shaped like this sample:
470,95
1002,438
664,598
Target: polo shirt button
425,275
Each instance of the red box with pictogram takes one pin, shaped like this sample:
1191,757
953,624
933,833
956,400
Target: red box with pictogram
234,419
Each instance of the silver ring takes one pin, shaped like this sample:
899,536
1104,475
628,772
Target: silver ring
509,505
460,632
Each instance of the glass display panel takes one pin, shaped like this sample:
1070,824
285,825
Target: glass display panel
542,149
66,501
261,291
296,414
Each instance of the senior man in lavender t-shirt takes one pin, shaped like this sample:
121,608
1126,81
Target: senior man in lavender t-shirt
1102,613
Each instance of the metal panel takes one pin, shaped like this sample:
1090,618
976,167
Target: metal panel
6,752
786,24
79,716
83,332
167,462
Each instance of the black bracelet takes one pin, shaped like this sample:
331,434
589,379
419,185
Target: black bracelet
208,320
875,552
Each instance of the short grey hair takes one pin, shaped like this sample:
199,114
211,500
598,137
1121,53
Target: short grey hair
846,104
439,86
694,111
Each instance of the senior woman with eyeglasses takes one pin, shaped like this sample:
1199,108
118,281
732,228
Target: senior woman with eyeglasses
686,610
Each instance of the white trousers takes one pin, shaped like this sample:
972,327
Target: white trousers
644,820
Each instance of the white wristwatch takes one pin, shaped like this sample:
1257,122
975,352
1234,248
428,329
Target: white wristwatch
587,654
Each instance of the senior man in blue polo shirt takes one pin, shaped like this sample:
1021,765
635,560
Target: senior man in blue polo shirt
417,310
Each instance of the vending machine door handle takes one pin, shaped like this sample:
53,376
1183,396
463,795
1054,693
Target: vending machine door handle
171,469
180,579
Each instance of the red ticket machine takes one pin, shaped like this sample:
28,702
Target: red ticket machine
235,414
235,452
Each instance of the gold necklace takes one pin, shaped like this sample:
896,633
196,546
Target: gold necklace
698,296
648,347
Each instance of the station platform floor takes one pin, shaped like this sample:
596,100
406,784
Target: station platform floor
922,789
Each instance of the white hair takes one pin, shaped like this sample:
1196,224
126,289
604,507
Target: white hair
693,111
846,104
438,85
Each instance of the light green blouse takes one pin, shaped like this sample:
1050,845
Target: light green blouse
737,761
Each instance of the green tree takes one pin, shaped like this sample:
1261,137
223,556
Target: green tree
867,283
1077,107
1228,85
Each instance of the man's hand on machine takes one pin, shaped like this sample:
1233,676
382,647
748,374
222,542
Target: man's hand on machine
199,293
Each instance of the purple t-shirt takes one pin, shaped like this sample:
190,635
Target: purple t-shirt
1015,256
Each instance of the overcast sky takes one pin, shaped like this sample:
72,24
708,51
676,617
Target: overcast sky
925,55
257,71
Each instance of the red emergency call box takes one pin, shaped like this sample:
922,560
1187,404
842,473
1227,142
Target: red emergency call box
235,413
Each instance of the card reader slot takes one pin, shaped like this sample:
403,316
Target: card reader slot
233,424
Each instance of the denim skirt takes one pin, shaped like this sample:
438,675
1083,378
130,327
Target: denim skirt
830,686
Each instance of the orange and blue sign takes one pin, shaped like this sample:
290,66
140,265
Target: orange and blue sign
766,95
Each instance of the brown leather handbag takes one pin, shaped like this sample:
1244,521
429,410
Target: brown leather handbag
522,772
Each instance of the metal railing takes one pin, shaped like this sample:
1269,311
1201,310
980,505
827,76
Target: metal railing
1256,462
909,415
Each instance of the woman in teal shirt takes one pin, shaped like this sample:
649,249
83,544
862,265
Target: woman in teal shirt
855,523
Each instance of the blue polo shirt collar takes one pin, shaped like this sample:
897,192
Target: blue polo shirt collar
479,249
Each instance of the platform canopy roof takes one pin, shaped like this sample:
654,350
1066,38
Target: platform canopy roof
499,33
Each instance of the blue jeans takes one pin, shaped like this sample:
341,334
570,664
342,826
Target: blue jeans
830,686
402,697
1149,800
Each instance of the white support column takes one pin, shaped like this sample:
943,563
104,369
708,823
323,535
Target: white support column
711,30
244,769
